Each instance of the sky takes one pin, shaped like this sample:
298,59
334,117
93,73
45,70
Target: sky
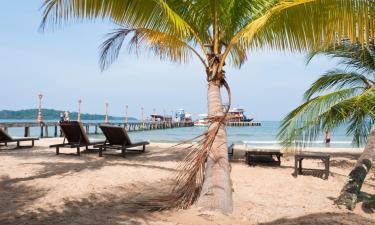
62,64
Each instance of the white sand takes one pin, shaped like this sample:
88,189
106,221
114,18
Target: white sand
38,187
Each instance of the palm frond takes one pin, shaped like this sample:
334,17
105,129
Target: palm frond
353,56
111,47
162,45
151,15
336,79
305,123
319,23
363,116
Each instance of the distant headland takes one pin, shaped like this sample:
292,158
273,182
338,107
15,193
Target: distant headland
52,114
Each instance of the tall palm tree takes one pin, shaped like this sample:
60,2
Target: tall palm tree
340,97
216,32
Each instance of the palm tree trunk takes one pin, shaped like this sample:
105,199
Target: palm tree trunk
216,191
352,187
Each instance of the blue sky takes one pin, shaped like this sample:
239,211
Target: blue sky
63,65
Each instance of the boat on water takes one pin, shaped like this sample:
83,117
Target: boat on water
202,121
179,116
235,115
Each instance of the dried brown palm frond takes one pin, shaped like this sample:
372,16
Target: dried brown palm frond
189,177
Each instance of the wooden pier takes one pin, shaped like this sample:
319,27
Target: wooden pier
244,124
91,128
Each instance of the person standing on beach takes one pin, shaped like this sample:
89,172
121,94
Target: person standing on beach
328,137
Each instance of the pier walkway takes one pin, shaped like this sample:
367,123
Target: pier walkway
52,129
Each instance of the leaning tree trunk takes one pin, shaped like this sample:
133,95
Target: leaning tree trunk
352,187
216,193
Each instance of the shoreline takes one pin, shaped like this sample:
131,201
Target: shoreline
243,147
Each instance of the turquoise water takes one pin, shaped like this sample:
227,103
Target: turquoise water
264,135
251,136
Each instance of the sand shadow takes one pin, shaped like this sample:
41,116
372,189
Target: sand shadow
324,218
341,163
319,173
15,197
120,206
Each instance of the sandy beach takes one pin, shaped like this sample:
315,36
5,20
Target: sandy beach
38,187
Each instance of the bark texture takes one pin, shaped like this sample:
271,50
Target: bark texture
216,193
350,191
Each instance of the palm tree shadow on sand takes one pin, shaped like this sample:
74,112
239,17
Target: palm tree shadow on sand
323,218
111,207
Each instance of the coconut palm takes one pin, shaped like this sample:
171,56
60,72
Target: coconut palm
216,32
339,97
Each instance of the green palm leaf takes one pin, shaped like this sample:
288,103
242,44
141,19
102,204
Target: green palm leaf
336,79
351,104
353,56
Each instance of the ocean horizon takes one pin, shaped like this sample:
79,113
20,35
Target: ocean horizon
251,136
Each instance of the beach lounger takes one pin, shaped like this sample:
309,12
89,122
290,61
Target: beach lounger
254,157
5,138
74,137
117,138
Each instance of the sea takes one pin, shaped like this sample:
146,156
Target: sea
257,136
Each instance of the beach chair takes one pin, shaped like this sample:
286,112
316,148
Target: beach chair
74,137
117,138
5,138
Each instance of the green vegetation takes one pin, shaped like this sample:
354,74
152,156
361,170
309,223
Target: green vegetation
339,97
52,114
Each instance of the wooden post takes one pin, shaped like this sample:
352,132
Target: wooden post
55,132
46,130
41,131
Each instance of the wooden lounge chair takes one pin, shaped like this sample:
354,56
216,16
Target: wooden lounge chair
117,138
5,138
75,136
254,157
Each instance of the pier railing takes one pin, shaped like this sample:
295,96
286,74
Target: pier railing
243,124
46,128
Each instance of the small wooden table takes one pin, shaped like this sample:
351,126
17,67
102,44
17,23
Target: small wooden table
252,155
311,155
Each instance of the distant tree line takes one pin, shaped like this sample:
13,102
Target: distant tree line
52,114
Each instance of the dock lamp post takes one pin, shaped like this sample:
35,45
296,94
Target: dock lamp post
126,114
79,110
106,113
40,116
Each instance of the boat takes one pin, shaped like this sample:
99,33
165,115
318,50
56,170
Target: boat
202,121
235,115
182,116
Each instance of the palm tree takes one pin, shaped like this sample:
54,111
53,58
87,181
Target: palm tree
216,32
340,97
